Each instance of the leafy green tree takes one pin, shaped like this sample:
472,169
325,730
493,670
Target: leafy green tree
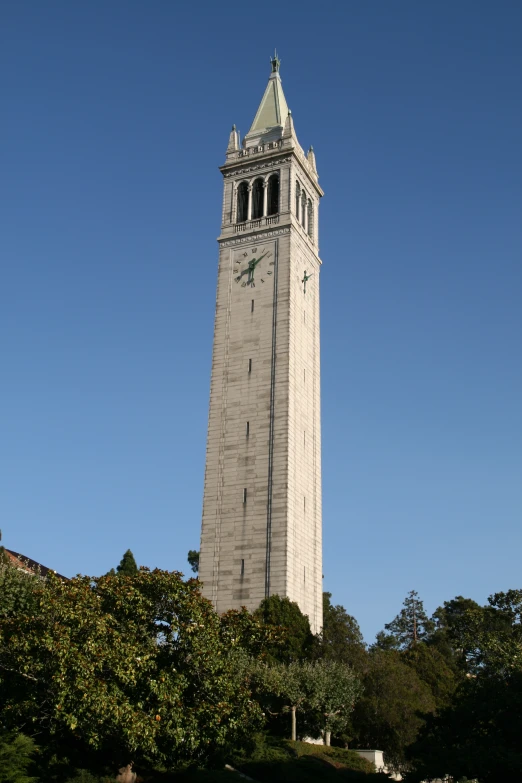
286,615
410,626
433,668
478,734
16,756
16,588
120,669
287,681
449,636
341,639
241,630
324,691
193,560
127,566
492,637
334,689
477,737
390,712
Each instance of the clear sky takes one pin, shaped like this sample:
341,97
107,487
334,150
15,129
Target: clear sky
115,116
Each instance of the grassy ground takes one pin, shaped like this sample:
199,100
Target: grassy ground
272,760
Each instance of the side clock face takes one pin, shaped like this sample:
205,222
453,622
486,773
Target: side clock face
253,266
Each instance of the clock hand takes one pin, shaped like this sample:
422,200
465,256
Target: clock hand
244,272
257,260
250,268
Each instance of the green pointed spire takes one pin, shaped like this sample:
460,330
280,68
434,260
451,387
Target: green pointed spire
273,109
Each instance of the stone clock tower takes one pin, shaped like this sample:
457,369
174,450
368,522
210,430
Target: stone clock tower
261,531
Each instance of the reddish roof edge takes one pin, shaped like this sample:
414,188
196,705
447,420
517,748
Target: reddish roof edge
27,564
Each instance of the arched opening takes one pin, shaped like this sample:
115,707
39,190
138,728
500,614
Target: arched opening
297,198
257,199
303,208
242,202
310,219
273,195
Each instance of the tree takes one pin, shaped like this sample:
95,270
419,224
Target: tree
287,681
286,615
390,712
127,566
334,690
193,560
325,691
476,737
478,734
242,630
124,669
341,639
449,636
433,668
16,755
409,627
16,588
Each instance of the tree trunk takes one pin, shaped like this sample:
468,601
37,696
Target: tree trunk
294,726
327,737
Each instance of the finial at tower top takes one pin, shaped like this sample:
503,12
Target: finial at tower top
276,62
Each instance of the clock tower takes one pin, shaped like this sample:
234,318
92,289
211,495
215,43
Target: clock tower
261,530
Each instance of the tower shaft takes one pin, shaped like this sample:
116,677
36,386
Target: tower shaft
261,529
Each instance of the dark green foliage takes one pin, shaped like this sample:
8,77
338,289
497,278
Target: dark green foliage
341,639
84,776
127,566
450,635
193,560
432,667
16,588
409,627
478,736
298,640
16,757
388,716
271,759
117,669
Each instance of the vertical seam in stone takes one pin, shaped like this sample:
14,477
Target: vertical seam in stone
271,431
221,472
314,458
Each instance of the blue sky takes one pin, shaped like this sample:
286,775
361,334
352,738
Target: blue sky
115,117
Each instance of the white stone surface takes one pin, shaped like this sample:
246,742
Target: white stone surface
265,371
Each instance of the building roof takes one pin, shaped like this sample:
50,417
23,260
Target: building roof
273,109
31,566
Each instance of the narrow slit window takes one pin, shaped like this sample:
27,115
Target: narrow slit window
310,220
252,306
304,574
242,567
250,365
247,429
244,495
273,195
257,199
242,202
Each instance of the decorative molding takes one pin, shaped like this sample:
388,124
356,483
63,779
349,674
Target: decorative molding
253,237
267,164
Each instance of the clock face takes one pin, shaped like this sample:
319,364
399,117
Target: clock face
253,266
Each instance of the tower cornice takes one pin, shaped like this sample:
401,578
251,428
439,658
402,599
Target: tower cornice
263,160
